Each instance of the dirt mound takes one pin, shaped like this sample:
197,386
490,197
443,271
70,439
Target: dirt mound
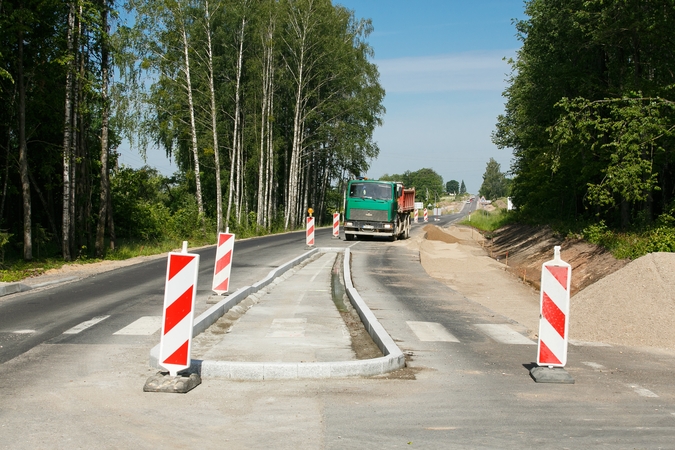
632,306
433,233
529,247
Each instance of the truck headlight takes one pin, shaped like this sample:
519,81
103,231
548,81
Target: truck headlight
387,226
349,224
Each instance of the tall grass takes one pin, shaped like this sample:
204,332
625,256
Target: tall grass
488,220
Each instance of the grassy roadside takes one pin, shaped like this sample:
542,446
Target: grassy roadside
17,270
12,270
488,221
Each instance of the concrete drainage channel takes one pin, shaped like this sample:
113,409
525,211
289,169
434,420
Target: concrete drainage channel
392,360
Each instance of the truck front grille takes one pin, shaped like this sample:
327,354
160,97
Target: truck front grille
368,214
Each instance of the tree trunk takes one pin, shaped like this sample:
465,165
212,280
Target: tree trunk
104,185
23,157
111,222
214,121
235,137
193,126
67,138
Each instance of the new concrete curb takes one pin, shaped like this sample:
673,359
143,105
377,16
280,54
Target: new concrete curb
259,371
13,288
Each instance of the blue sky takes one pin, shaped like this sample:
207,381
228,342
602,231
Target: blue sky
441,64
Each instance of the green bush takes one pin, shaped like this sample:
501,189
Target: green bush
632,244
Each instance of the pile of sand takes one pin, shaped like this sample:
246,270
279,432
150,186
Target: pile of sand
634,306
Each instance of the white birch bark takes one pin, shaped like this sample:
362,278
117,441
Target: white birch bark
193,126
235,137
67,139
214,121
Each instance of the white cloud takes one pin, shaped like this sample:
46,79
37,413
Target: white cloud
485,70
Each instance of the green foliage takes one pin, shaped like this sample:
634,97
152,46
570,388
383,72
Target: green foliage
427,183
495,183
452,187
462,188
589,112
632,244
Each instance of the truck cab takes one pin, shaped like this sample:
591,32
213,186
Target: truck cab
373,207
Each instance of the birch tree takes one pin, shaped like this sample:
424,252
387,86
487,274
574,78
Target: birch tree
67,137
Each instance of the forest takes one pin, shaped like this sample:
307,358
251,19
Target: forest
590,115
267,107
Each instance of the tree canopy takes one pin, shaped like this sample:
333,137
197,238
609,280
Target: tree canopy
589,111
452,187
266,106
495,183
427,183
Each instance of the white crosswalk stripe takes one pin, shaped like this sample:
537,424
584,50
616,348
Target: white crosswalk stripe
144,326
86,324
505,334
642,392
431,332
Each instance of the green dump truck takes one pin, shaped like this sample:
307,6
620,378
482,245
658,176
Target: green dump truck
378,208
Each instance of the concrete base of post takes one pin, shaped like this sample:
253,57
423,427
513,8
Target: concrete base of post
163,382
551,375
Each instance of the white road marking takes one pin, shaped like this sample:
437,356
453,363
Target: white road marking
639,390
287,328
23,331
86,324
505,334
594,365
144,326
588,344
431,332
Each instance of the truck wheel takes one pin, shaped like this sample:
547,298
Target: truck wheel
349,237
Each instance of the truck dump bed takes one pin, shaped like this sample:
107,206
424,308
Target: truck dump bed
406,202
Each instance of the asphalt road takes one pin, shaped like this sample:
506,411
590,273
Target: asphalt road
33,317
465,386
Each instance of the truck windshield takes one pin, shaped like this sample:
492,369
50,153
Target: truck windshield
370,190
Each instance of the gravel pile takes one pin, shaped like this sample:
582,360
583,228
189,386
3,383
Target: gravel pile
634,306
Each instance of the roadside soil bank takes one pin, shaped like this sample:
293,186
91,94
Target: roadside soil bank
618,302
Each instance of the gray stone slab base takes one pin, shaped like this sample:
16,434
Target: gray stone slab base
551,375
163,382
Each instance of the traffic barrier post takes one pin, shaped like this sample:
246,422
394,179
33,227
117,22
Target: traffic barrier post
223,264
179,304
336,224
556,277
426,215
416,213
310,231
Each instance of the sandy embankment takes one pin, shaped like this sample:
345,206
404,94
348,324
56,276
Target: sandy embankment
634,306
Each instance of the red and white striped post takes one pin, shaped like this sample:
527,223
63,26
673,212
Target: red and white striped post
426,215
336,224
223,265
556,276
310,231
416,214
179,304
